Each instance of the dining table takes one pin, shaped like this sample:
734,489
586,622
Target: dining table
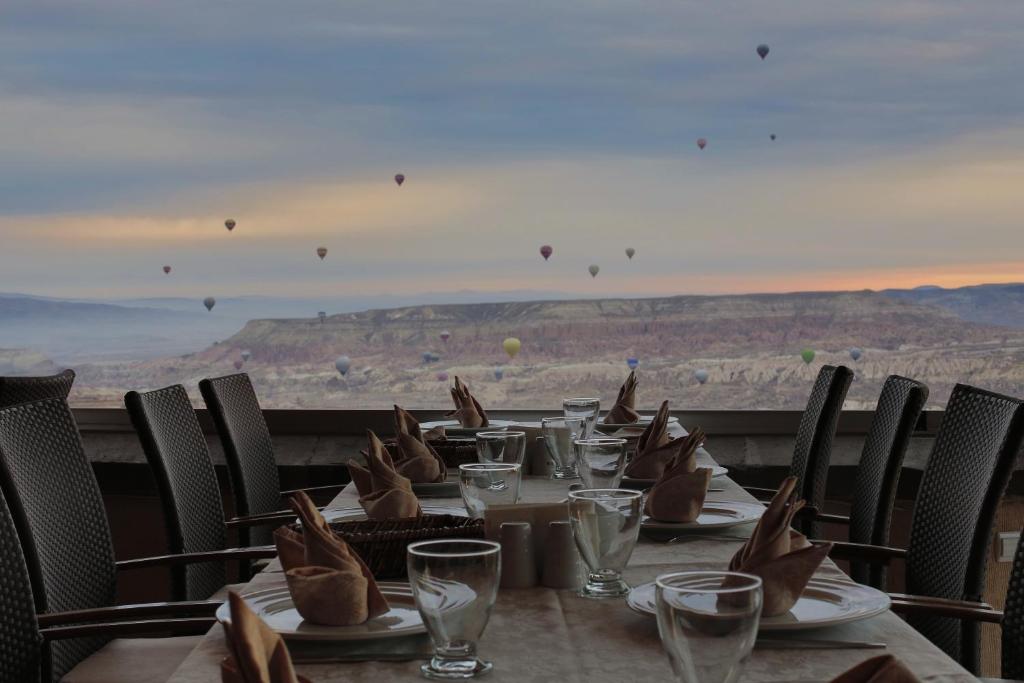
542,634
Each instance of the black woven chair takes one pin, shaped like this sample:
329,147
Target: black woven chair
967,472
813,449
249,452
15,390
61,522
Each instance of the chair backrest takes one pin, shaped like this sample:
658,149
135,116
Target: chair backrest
1013,619
58,512
813,449
968,470
19,635
15,390
878,474
248,449
193,511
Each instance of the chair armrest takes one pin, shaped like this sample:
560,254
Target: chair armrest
194,608
942,607
123,629
283,517
256,553
316,489
863,552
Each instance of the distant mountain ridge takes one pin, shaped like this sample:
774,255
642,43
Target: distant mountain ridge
995,304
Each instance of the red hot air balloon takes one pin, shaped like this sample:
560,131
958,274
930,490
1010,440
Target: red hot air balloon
399,178
238,365
546,251
167,270
321,252
762,50
702,143
230,224
445,336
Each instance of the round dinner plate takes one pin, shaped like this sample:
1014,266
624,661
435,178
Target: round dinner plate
714,515
825,602
639,424
275,607
644,484
358,514
453,428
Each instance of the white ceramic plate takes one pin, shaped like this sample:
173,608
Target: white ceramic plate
357,514
275,607
825,602
714,515
639,425
453,428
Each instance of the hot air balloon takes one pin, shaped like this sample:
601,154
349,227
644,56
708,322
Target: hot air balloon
807,355
630,251
856,353
238,365
321,252
701,375
246,355
762,50
545,251
772,136
499,373
594,270
230,224
445,336
167,270
399,178
209,302
427,356
511,346
343,364
322,315
702,143
632,363
442,376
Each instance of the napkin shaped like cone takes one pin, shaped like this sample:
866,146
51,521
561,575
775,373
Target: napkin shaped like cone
257,654
291,548
880,669
383,492
417,461
679,493
624,409
655,449
468,410
783,558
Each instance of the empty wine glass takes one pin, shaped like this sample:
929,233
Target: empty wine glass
559,434
587,408
708,623
504,446
454,583
600,462
605,524
483,484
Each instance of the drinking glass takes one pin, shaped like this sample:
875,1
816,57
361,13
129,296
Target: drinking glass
454,583
708,623
600,462
559,434
605,524
504,446
483,484
587,408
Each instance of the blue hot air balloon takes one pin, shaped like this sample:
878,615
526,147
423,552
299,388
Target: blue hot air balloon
701,375
856,352
632,363
343,364
499,373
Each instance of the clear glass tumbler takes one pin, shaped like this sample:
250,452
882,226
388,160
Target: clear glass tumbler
505,446
708,623
605,524
454,583
559,434
587,408
600,462
483,484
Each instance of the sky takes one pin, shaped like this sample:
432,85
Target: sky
130,131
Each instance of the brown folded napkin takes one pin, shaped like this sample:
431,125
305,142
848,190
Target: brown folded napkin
783,558
329,583
679,493
624,409
655,449
468,410
417,461
880,669
257,654
383,492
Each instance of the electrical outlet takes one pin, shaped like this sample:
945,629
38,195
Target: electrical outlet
1007,547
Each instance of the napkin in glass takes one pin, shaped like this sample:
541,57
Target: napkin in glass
783,558
624,410
257,654
468,410
416,460
383,492
679,493
880,669
655,449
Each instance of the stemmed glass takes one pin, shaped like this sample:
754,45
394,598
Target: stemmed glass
455,584
605,524
559,434
483,484
600,462
504,446
708,623
587,408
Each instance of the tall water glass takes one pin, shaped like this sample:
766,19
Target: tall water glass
708,623
605,524
600,462
505,446
454,583
559,434
483,484
587,408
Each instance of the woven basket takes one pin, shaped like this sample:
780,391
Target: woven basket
453,452
382,544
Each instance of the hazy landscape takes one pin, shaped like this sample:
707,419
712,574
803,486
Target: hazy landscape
749,344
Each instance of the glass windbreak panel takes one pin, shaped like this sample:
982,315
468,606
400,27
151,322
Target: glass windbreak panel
357,202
